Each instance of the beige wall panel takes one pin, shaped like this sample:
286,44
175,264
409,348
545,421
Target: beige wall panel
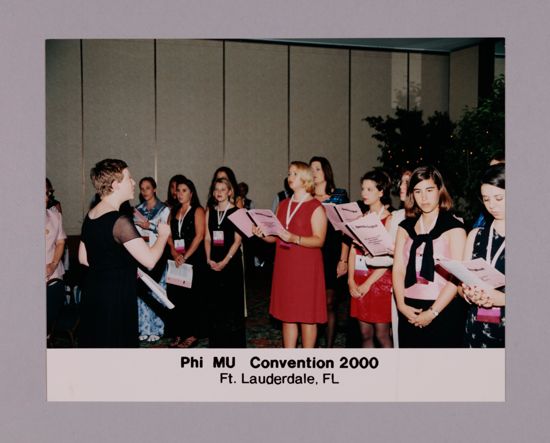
119,111
190,111
399,79
371,95
64,128
415,81
319,107
499,66
463,78
256,125
434,84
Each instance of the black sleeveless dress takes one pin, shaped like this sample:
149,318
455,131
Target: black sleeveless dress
109,313
225,291
481,334
187,318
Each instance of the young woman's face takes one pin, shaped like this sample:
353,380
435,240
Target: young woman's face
494,200
183,194
317,171
369,193
294,180
426,195
221,192
403,185
146,189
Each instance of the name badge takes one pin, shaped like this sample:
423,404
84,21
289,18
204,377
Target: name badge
488,315
217,238
180,246
419,279
361,267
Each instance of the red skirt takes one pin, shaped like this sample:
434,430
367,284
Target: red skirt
375,305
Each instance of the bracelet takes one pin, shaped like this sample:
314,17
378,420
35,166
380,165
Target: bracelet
343,261
433,311
299,242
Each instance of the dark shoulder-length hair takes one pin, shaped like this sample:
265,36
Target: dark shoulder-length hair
169,200
195,202
153,183
232,180
426,173
494,176
327,171
383,183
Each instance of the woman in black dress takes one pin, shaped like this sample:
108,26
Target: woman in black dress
486,317
225,275
335,250
186,246
110,247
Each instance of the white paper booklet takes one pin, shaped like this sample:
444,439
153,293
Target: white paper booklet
339,215
180,276
371,233
156,290
477,272
266,220
242,221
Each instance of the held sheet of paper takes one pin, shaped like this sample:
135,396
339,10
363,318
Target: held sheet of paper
179,275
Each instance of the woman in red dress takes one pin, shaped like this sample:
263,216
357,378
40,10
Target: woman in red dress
298,294
369,278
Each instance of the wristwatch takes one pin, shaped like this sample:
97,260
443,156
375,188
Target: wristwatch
433,311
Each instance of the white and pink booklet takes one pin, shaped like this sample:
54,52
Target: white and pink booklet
476,272
371,233
265,219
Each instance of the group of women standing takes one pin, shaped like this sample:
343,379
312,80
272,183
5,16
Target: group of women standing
311,260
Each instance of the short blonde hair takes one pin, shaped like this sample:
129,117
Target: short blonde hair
304,172
105,172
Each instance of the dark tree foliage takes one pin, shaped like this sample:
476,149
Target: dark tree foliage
461,151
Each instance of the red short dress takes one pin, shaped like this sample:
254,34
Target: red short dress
375,305
298,288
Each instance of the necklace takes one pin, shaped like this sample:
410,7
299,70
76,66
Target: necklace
220,219
290,215
500,250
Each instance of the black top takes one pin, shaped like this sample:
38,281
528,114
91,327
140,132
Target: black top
109,304
445,222
218,253
188,233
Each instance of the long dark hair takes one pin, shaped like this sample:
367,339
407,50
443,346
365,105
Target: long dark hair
327,171
171,202
494,176
211,202
194,203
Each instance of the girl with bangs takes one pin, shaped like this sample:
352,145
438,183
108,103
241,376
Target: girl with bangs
430,314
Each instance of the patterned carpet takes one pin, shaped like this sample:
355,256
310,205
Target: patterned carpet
262,331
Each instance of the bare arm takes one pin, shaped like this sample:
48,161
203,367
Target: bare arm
342,267
148,256
82,254
318,228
